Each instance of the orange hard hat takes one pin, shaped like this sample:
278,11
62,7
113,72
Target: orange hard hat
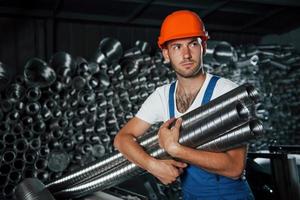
181,24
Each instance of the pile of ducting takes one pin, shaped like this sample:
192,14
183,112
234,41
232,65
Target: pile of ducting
272,69
60,116
224,123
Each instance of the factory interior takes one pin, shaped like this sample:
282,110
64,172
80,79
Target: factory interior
73,73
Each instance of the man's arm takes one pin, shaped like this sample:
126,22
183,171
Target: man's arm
230,163
125,141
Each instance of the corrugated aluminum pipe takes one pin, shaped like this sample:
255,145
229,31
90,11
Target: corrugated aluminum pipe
213,125
218,52
32,189
86,172
253,61
235,138
245,93
222,121
95,168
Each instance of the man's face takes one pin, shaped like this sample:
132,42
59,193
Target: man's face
185,56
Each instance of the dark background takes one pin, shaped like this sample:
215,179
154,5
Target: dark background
40,28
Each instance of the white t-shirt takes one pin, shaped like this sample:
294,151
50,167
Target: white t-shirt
156,106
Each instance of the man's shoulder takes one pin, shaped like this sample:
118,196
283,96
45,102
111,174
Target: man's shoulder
225,82
163,89
223,86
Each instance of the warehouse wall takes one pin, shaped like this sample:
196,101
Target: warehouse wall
81,39
24,38
21,39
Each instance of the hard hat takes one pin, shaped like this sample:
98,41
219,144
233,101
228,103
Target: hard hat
181,24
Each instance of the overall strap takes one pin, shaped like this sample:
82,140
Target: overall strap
210,89
171,100
206,98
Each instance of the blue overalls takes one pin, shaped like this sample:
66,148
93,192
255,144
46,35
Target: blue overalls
198,184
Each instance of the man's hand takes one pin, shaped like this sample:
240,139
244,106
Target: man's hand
168,138
166,170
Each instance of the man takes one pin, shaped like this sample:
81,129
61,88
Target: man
205,175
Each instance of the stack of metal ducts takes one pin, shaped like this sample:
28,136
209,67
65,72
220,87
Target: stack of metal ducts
274,71
224,123
63,114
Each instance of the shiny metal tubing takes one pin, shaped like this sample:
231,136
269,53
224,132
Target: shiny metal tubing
63,64
14,176
95,168
235,138
15,92
9,138
40,164
215,124
85,172
38,73
19,164
9,156
269,47
117,175
245,93
32,189
220,123
12,117
33,93
4,129
21,145
253,61
220,52
279,65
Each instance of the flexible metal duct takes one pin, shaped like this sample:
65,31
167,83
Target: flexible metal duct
63,64
218,123
15,92
85,172
237,137
243,93
218,52
32,189
6,74
109,50
38,73
88,172
248,62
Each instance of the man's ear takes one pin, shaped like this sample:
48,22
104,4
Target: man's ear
165,53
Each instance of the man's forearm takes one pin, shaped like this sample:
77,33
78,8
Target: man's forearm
230,164
128,146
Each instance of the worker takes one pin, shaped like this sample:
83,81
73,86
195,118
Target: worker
204,175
